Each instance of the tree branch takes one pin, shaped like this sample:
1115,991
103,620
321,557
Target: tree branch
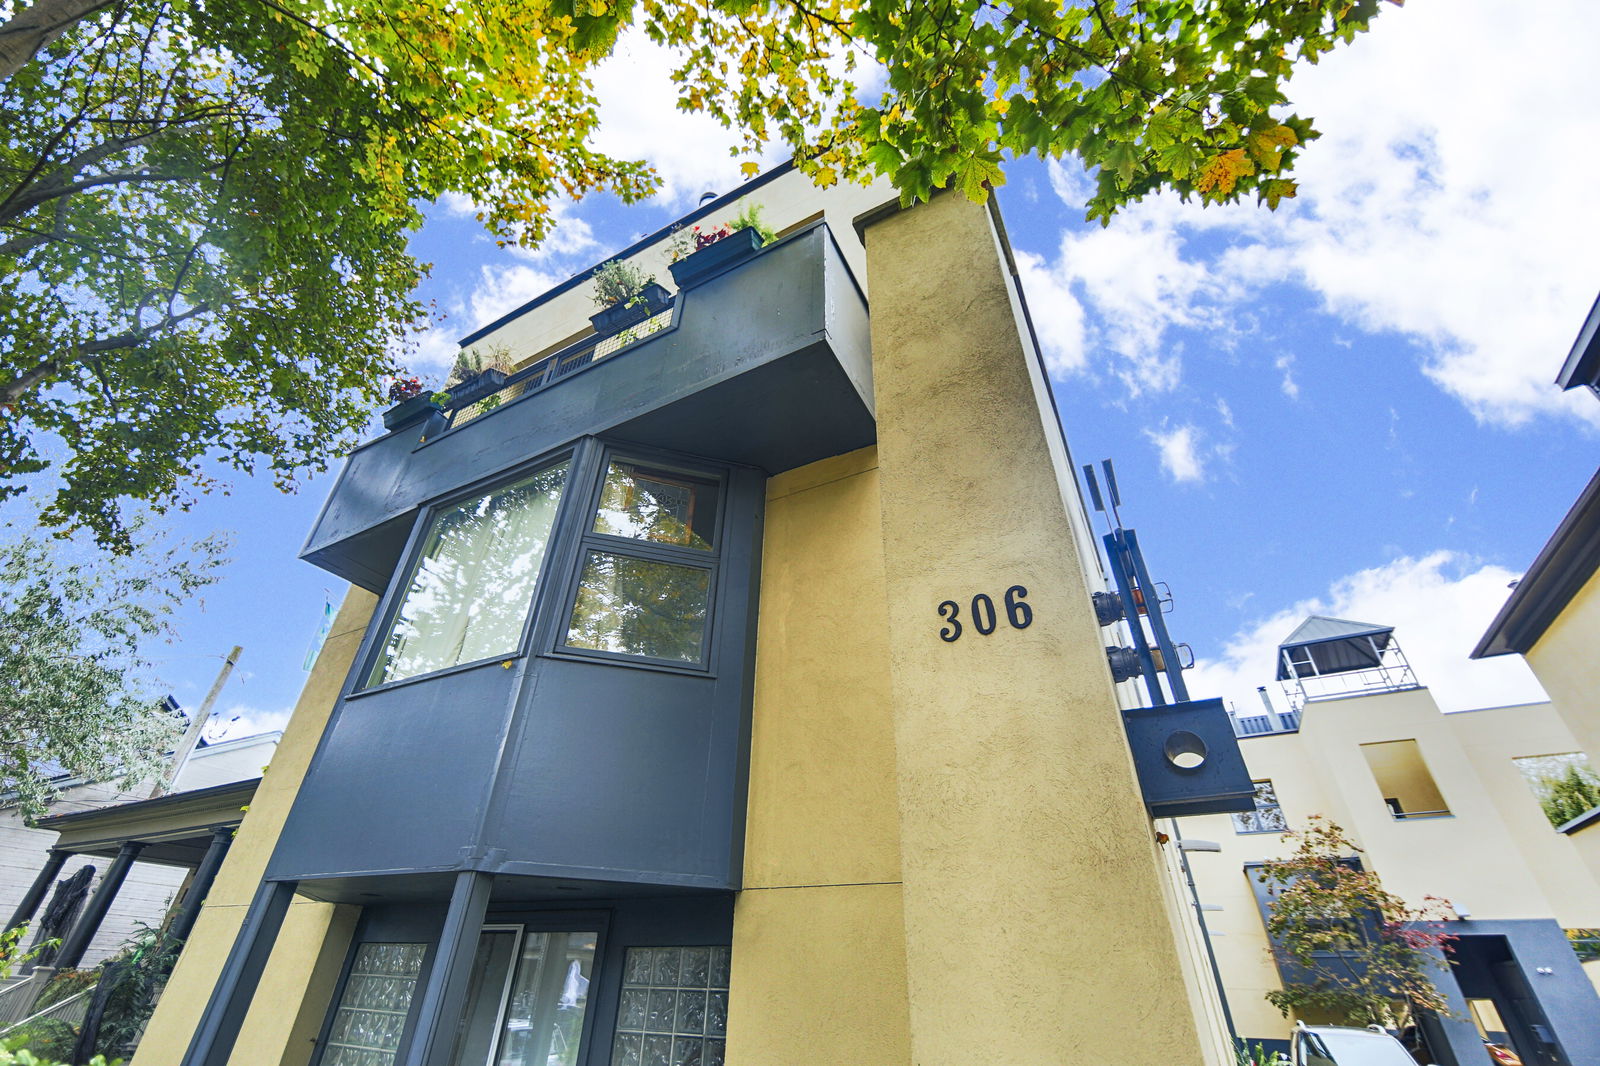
32,28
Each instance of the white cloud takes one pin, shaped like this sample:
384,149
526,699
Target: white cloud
1440,605
1291,388
504,289
639,119
1180,452
241,720
1057,315
1450,208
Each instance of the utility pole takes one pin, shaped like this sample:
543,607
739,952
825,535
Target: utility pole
197,725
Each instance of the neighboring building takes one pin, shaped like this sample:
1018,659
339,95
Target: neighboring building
1552,617
727,689
150,887
1440,805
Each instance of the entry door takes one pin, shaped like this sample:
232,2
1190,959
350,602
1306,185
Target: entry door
1525,1016
527,997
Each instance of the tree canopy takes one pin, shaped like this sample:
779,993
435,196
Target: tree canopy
204,204
76,694
1352,948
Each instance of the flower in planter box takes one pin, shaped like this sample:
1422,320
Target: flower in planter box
402,389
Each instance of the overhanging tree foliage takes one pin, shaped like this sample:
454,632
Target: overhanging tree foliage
204,203
75,690
1352,949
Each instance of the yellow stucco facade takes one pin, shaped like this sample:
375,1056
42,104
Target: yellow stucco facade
310,949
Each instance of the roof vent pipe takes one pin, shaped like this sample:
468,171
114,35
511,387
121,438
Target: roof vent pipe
1266,700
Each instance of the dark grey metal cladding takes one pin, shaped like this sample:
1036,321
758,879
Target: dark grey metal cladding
621,774
564,765
769,365
401,777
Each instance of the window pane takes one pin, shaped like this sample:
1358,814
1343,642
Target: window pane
660,505
674,1007
372,1012
472,586
544,1016
640,607
486,993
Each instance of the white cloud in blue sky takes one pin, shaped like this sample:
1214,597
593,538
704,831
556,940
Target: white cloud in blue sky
1445,203
1439,604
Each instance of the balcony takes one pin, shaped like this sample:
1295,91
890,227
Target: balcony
767,365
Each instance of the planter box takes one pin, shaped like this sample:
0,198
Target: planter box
652,300
409,411
738,246
476,387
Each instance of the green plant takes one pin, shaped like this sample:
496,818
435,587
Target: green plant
1254,1055
136,975
1365,954
750,218
470,362
619,282
680,244
441,399
16,1052
1569,796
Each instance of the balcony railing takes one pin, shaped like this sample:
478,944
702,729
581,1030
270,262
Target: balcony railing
1261,725
558,365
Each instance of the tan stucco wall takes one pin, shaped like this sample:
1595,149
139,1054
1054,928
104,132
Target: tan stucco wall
311,945
1567,666
1037,925
818,946
1496,854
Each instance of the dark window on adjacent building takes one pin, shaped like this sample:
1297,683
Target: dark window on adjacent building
647,565
1266,818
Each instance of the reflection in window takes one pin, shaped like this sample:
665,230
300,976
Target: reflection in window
640,606
372,1012
1266,818
473,583
525,1006
674,1007
660,505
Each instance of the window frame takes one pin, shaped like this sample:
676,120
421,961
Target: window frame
588,540
1255,812
395,595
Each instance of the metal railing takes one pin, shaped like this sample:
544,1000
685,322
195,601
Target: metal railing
557,365
17,998
70,1011
1261,725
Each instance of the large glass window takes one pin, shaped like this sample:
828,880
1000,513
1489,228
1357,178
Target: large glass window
526,999
645,585
473,583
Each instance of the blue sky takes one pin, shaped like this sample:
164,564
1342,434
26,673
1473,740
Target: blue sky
1343,407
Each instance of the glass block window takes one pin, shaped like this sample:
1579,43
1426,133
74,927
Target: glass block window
1266,818
674,1009
372,1012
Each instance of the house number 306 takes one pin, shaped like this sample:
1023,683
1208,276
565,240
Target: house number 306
984,618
